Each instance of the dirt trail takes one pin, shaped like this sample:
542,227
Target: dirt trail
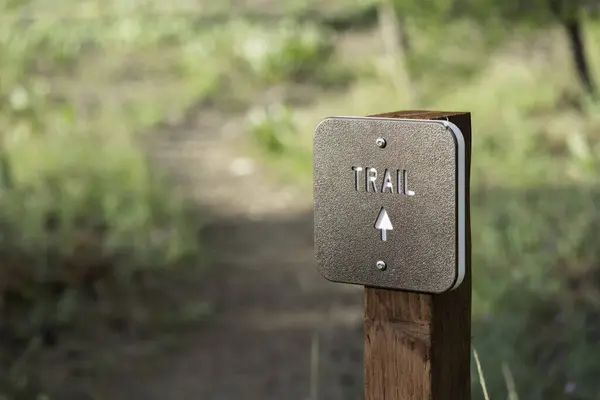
281,330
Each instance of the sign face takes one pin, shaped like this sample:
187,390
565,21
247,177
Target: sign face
389,200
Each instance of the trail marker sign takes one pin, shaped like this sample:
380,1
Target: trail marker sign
390,191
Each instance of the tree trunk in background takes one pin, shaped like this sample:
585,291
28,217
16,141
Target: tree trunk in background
404,36
396,43
574,29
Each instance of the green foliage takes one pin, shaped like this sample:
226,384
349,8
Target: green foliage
288,52
70,218
534,310
586,157
82,214
485,11
273,128
275,131
426,9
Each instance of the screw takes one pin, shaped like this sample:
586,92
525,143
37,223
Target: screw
380,265
380,142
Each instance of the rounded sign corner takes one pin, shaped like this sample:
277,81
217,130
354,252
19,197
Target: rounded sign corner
320,125
324,273
460,277
456,133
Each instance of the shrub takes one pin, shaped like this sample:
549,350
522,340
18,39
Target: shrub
79,205
83,210
291,52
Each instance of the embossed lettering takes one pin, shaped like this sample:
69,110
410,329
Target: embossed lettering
357,171
370,179
371,185
387,182
407,191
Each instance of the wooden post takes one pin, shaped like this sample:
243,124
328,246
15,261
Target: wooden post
418,346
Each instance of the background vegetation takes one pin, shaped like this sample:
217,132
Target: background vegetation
85,219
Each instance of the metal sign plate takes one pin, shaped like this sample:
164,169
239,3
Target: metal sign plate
389,198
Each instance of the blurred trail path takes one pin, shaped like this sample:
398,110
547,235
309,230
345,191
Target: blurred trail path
281,331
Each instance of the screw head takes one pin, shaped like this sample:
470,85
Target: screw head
381,142
381,265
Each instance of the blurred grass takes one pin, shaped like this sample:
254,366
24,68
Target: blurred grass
84,219
92,85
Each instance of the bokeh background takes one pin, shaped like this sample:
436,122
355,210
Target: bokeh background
155,201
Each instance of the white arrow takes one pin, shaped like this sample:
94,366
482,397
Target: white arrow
383,223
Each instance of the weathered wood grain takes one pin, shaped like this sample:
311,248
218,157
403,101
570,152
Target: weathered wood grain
417,346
